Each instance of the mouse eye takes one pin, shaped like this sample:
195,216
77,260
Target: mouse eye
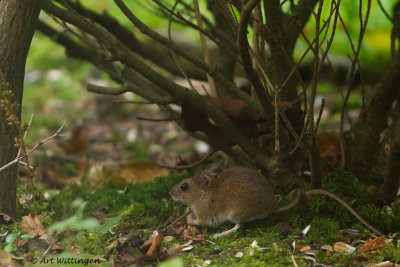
184,186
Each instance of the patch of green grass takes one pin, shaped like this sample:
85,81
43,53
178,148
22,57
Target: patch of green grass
148,205
150,199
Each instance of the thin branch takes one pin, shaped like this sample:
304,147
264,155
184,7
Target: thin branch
173,52
106,89
179,50
156,120
133,102
42,142
356,51
384,11
185,21
204,46
180,94
244,46
321,110
183,167
176,220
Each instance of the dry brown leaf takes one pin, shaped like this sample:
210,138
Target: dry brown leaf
116,243
7,259
199,239
344,248
133,172
32,225
372,245
153,246
302,247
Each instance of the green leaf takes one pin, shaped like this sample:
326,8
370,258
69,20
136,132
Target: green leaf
25,236
9,248
175,262
10,238
102,229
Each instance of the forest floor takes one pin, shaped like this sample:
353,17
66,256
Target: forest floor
101,198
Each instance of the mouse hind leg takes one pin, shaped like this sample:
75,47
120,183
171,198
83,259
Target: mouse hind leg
227,232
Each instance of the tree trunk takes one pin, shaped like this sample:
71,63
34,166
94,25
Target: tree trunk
17,24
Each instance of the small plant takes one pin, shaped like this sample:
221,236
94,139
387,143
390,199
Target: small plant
77,222
10,241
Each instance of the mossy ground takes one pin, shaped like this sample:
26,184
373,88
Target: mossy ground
147,207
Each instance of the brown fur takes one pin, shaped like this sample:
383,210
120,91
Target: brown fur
237,194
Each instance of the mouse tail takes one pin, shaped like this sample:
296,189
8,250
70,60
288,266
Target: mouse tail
346,205
338,199
288,206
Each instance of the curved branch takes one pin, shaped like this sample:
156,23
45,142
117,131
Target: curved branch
201,64
151,52
181,94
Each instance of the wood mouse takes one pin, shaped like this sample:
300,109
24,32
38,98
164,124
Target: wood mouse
238,195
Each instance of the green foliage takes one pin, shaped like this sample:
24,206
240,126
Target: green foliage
175,262
148,199
77,222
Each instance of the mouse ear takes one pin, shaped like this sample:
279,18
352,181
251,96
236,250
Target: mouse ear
205,179
214,169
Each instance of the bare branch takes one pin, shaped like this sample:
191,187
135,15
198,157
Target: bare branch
201,64
42,142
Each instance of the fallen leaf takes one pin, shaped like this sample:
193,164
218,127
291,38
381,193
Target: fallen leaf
201,240
7,259
117,243
32,225
302,247
153,246
132,172
383,264
344,248
372,245
327,248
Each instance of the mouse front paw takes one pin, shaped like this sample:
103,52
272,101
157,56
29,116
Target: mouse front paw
216,236
192,219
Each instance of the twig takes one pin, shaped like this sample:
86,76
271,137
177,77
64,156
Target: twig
277,108
204,46
173,52
179,50
384,11
156,120
132,102
356,51
319,115
263,96
18,158
187,22
182,167
294,261
175,221
26,132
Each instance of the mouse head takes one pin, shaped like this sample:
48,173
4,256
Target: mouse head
192,189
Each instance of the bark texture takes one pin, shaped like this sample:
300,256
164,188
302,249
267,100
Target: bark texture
17,24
